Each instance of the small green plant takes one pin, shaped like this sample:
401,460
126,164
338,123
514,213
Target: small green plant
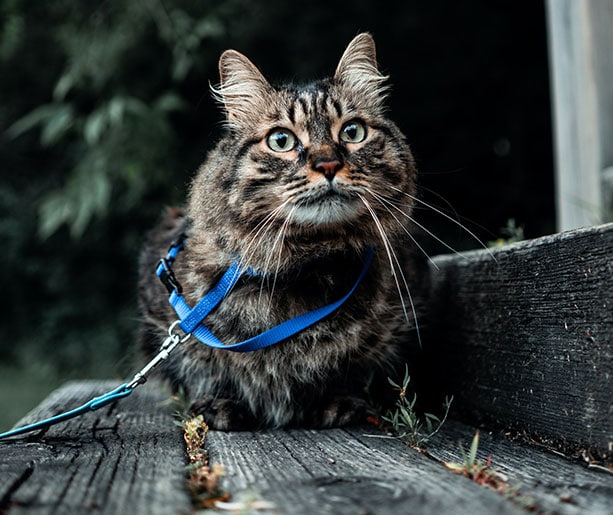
478,470
484,473
510,234
406,423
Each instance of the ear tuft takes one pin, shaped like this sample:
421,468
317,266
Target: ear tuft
358,70
242,90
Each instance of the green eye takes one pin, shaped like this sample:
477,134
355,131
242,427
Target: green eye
353,132
281,140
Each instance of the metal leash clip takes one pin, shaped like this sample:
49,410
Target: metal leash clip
170,343
124,390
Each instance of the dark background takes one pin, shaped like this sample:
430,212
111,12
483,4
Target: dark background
105,114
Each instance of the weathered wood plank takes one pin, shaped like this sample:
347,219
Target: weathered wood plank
525,340
130,459
342,472
354,471
127,458
557,484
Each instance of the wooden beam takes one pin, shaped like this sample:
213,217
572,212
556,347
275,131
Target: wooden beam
581,64
525,340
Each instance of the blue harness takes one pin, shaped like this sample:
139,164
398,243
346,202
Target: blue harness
191,322
192,319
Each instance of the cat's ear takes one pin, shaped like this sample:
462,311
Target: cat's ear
242,90
358,70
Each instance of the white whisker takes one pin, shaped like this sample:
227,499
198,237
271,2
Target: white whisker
425,229
383,201
450,218
394,265
278,240
256,240
263,226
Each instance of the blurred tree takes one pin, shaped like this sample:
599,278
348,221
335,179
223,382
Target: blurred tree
97,138
112,102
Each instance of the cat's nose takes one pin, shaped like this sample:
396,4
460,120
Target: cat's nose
328,167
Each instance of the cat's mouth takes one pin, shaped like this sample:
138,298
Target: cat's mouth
329,194
326,207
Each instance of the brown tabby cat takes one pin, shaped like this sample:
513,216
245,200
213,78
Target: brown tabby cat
303,182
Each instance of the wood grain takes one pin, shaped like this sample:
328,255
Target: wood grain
525,340
348,471
343,472
126,458
130,458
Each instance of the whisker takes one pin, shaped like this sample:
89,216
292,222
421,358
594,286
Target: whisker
279,239
256,241
426,230
266,278
394,264
450,218
382,201
442,199
260,228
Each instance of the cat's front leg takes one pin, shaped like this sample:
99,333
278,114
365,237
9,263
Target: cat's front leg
340,410
224,414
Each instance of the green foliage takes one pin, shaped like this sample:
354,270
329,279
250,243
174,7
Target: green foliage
99,129
470,457
510,234
109,160
406,423
115,129
484,473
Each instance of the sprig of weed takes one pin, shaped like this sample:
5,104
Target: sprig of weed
510,234
203,480
484,473
406,423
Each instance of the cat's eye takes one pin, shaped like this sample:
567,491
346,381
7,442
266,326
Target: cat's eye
281,140
353,132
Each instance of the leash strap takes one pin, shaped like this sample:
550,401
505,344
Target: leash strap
121,391
94,404
192,318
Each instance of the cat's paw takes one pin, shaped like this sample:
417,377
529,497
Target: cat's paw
224,414
342,411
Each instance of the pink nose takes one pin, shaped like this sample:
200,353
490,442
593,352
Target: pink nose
328,168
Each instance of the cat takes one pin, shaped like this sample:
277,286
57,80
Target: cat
304,180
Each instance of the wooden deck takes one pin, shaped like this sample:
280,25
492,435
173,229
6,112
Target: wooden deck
130,458
523,342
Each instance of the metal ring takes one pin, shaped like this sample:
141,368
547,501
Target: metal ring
172,334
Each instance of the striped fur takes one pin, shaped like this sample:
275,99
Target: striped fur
305,232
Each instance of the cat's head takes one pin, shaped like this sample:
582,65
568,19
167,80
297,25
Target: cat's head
315,161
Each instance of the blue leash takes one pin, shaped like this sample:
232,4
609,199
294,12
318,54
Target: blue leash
121,391
191,323
94,404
